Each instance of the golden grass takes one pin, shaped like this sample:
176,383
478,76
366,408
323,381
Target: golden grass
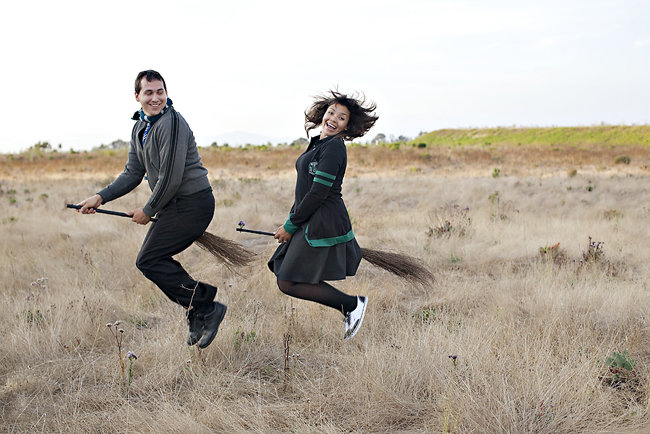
279,161
530,335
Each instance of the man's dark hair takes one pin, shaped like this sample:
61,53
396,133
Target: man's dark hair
361,116
150,75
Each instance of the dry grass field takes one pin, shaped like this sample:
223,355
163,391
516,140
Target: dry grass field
518,333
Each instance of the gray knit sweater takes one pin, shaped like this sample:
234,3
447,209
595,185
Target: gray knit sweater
170,160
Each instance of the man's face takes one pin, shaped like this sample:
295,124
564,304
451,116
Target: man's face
152,96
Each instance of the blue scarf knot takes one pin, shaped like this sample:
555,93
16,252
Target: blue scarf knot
140,116
150,120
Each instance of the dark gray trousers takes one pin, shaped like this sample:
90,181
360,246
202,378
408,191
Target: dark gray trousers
180,223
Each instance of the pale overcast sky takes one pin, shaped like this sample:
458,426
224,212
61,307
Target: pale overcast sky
68,67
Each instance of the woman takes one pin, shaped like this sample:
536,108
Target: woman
318,243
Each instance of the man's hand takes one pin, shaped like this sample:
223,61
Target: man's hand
89,205
281,235
139,216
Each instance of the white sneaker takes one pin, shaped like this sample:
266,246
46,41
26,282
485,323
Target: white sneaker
354,319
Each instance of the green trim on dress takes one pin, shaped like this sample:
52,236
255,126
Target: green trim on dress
325,174
328,242
290,227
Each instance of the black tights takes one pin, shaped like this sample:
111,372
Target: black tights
321,293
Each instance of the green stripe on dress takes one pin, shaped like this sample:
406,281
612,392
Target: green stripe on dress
328,242
322,181
289,226
325,174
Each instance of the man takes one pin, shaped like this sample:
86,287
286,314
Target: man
163,148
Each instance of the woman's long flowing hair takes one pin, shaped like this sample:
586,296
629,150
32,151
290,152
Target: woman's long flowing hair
361,118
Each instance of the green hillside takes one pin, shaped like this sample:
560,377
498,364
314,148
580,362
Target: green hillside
567,136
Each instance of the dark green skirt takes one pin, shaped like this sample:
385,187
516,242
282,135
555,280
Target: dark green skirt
297,261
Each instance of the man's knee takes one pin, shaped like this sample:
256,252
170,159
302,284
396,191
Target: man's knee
143,264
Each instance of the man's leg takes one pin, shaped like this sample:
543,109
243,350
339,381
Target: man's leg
178,226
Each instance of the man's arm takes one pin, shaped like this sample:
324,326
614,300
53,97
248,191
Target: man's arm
172,141
129,179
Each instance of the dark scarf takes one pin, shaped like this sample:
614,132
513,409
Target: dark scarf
140,116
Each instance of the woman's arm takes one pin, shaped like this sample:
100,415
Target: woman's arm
332,160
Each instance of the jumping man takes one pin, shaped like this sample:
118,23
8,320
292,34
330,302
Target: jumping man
163,148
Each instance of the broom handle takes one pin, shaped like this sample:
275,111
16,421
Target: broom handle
105,211
254,231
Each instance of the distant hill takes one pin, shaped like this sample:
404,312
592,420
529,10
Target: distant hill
240,138
606,135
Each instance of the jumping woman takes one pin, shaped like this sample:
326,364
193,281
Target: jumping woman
317,241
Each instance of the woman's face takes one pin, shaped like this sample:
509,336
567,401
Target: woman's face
335,120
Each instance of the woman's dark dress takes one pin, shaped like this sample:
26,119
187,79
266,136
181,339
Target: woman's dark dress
322,246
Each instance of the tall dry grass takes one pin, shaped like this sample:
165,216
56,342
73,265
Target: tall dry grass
507,340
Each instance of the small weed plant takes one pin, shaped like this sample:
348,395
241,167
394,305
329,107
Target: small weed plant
241,338
594,252
622,159
612,214
595,255
553,254
118,335
426,315
450,220
132,358
621,373
34,316
500,210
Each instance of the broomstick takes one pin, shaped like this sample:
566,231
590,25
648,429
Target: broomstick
399,264
228,252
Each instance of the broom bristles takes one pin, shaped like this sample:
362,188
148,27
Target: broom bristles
228,252
407,267
404,266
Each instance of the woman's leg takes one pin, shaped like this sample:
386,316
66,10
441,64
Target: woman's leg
321,293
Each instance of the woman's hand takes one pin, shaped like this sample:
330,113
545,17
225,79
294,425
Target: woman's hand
281,235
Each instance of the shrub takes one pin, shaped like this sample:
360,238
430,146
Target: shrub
450,220
620,371
595,256
553,254
500,211
622,159
612,214
594,252
393,146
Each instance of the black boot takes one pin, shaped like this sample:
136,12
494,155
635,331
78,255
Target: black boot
211,321
195,326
